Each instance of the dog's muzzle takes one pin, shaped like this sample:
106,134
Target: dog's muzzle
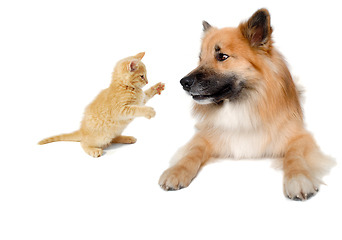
211,88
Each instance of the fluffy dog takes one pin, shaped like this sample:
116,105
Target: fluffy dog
248,107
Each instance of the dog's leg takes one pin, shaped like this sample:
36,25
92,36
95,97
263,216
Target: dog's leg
304,167
181,174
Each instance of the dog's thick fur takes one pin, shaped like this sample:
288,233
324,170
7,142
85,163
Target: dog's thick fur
248,107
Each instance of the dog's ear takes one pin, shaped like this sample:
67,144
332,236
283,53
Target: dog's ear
257,30
206,26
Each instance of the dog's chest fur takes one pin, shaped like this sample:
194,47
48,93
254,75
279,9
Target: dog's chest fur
236,131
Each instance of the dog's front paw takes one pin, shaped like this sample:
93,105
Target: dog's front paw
300,188
175,178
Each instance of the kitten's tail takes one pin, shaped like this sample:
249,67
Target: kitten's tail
73,137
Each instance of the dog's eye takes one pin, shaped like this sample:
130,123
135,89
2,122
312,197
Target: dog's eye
221,57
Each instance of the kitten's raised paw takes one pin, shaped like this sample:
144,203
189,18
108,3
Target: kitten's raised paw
159,87
149,113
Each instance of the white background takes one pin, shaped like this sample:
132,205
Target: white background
57,55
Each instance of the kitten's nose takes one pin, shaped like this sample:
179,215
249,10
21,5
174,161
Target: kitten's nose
187,82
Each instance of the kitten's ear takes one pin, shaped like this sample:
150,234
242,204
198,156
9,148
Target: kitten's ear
257,30
140,55
133,65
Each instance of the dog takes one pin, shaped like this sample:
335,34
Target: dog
248,106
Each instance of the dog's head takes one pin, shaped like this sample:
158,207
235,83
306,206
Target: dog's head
227,64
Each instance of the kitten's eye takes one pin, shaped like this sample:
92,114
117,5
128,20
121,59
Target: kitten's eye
142,76
221,57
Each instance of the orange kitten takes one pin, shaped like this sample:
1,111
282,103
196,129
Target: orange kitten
114,108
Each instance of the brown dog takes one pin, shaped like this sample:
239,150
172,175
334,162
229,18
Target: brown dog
248,107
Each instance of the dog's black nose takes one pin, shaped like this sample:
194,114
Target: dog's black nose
187,82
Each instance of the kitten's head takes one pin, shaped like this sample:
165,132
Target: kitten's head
133,71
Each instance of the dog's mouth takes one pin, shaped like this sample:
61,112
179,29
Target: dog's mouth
217,97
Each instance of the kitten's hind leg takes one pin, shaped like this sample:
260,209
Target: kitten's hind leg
124,139
92,151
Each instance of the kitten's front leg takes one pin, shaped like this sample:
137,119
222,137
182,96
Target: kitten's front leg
156,89
130,111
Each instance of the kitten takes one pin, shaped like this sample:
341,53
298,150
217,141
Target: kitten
114,108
